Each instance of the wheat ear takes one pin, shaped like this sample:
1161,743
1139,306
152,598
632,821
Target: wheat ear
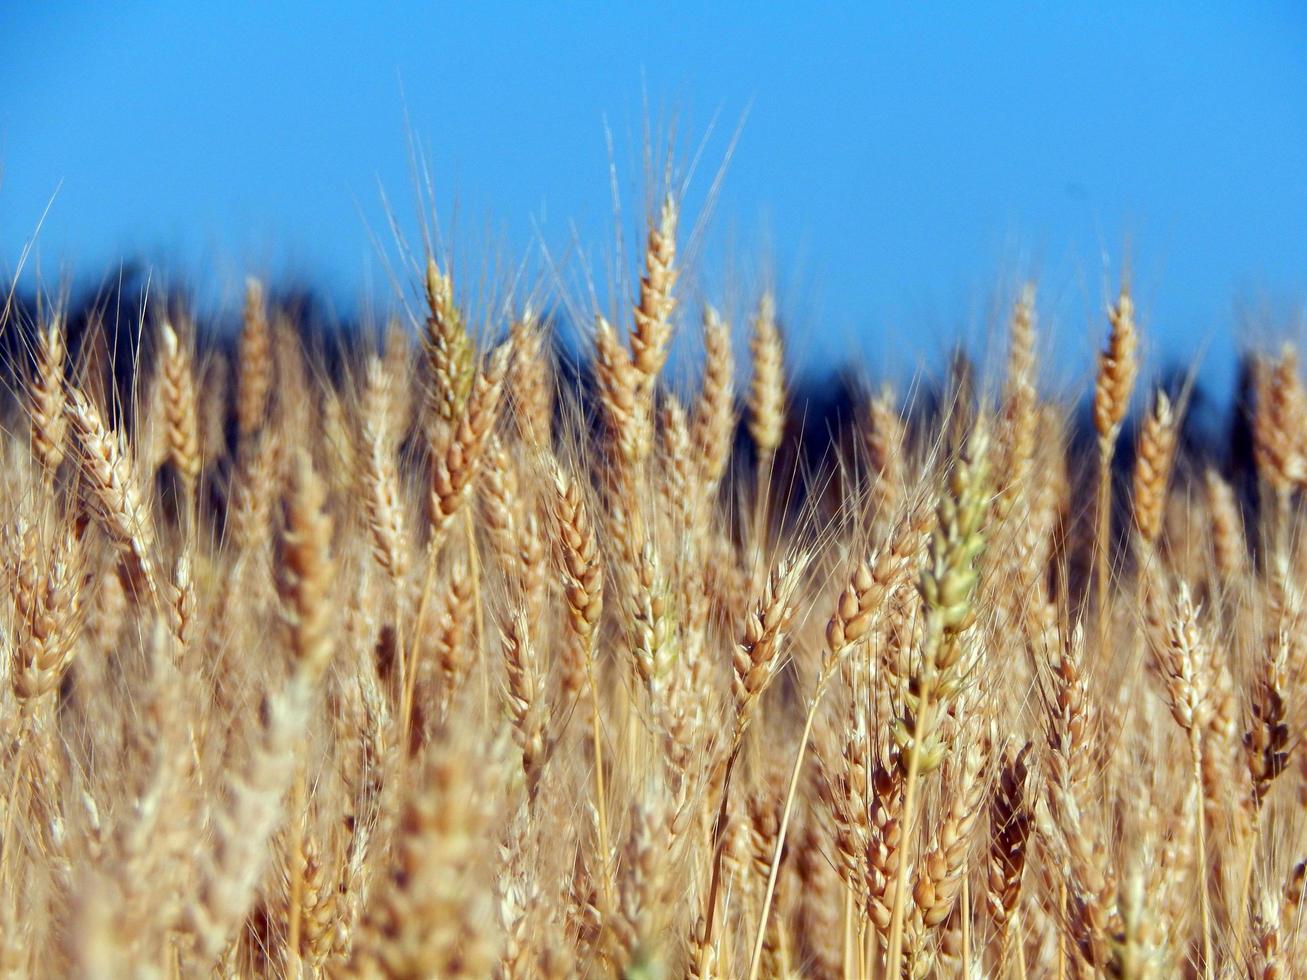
1020,404
857,613
380,481
524,697
947,585
47,596
767,387
530,382
754,665
451,360
1118,367
47,396
180,412
255,375
107,465
583,589
1278,449
1229,548
886,441
1180,659
1153,462
453,470
243,825
1010,819
653,329
713,420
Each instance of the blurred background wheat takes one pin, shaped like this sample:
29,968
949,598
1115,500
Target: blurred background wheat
545,615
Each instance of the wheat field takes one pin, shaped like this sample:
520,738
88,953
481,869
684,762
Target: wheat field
429,659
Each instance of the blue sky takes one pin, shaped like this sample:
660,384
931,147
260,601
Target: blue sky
898,167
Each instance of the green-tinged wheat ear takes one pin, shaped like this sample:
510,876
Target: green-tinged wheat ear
948,586
451,359
940,671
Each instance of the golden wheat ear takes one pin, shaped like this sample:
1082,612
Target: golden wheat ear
254,375
380,486
113,488
766,399
459,460
1153,462
713,420
47,396
181,415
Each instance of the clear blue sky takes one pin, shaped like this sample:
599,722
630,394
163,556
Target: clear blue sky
900,165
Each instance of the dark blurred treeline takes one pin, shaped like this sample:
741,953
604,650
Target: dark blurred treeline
111,326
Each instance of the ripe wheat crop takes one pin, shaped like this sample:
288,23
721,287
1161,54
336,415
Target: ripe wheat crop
423,658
